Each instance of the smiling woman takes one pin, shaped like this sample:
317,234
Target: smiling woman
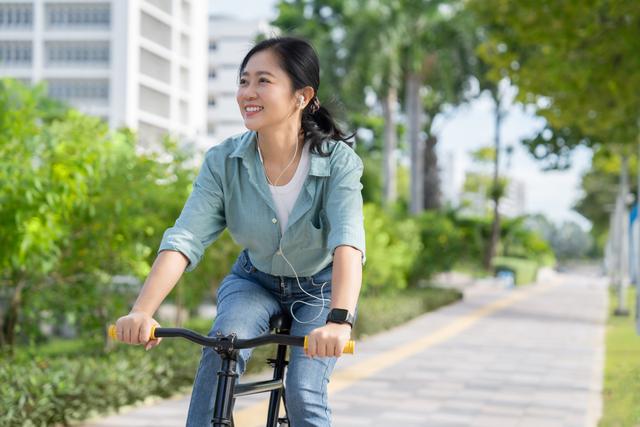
289,192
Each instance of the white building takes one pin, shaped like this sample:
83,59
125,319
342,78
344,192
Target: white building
449,179
477,202
140,64
229,41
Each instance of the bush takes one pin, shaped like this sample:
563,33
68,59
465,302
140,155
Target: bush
379,313
392,245
441,245
47,391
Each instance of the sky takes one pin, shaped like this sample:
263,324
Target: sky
470,127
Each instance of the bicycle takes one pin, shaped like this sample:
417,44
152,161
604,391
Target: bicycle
227,347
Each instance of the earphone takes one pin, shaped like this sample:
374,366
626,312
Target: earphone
300,100
321,298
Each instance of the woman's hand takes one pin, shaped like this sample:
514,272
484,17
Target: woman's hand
135,328
328,340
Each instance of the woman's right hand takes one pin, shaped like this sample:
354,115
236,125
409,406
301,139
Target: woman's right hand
135,328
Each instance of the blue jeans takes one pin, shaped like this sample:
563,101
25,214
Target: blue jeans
247,299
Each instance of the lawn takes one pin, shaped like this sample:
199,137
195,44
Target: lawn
621,394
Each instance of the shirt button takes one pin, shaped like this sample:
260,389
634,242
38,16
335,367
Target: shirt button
278,252
274,220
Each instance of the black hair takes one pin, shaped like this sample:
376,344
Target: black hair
300,61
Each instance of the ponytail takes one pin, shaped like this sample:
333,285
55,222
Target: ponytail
319,125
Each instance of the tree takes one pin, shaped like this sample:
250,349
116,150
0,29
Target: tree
575,62
436,72
46,172
82,215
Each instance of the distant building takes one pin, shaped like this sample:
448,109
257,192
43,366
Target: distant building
449,182
474,198
514,202
140,64
229,41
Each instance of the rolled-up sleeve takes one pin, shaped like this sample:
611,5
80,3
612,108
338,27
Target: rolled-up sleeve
202,218
344,205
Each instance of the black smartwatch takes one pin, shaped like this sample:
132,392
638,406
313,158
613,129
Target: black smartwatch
340,315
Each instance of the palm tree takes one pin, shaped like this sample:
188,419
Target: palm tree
373,40
436,72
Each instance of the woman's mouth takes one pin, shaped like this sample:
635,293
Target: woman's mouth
252,110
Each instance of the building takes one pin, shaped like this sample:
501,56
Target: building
139,64
449,179
229,41
475,200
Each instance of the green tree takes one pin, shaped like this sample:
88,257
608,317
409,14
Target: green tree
47,169
575,62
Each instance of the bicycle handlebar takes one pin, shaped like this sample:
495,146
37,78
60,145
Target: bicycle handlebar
195,337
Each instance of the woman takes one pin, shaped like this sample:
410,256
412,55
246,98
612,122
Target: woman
289,191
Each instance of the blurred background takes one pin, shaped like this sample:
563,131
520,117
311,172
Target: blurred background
500,139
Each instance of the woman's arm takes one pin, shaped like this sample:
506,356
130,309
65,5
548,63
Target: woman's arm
347,278
330,339
135,328
165,273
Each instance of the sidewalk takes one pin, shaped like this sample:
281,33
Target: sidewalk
529,356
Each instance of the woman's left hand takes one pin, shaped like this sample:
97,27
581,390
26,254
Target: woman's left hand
328,340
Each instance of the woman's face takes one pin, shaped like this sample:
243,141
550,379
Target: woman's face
265,94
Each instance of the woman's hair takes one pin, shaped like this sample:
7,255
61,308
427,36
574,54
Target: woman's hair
300,61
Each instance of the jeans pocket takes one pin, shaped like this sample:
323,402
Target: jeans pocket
322,277
243,264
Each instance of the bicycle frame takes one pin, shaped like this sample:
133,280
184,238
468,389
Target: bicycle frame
228,389
228,347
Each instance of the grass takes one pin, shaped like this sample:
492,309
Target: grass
621,395
472,268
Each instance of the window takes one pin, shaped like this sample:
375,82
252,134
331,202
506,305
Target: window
75,53
211,101
66,15
212,74
213,45
15,53
155,30
16,15
67,89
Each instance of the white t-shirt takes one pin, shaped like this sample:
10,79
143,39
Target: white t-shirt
286,195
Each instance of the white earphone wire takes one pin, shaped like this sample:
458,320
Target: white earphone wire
321,298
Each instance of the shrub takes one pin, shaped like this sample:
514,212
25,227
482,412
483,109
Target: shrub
392,245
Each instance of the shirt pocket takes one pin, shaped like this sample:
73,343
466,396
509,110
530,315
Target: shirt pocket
317,230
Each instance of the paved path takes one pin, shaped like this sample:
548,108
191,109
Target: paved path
530,356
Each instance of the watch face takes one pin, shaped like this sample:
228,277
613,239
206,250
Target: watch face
339,314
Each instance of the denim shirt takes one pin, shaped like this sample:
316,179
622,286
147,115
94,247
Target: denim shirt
231,191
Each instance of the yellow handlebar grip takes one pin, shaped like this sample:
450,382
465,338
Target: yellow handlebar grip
112,332
114,335
349,348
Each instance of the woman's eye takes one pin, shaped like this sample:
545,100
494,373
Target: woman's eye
243,82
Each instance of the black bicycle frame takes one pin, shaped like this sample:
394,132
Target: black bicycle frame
227,390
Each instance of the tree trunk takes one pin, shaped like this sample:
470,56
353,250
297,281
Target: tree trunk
431,189
10,318
390,144
622,218
495,191
413,109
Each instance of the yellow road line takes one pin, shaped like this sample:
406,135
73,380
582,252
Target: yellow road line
255,415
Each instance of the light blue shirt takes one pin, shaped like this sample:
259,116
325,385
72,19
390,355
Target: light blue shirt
231,190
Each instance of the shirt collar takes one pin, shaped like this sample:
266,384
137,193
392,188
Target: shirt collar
246,149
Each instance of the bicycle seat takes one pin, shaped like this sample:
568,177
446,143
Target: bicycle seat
280,321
